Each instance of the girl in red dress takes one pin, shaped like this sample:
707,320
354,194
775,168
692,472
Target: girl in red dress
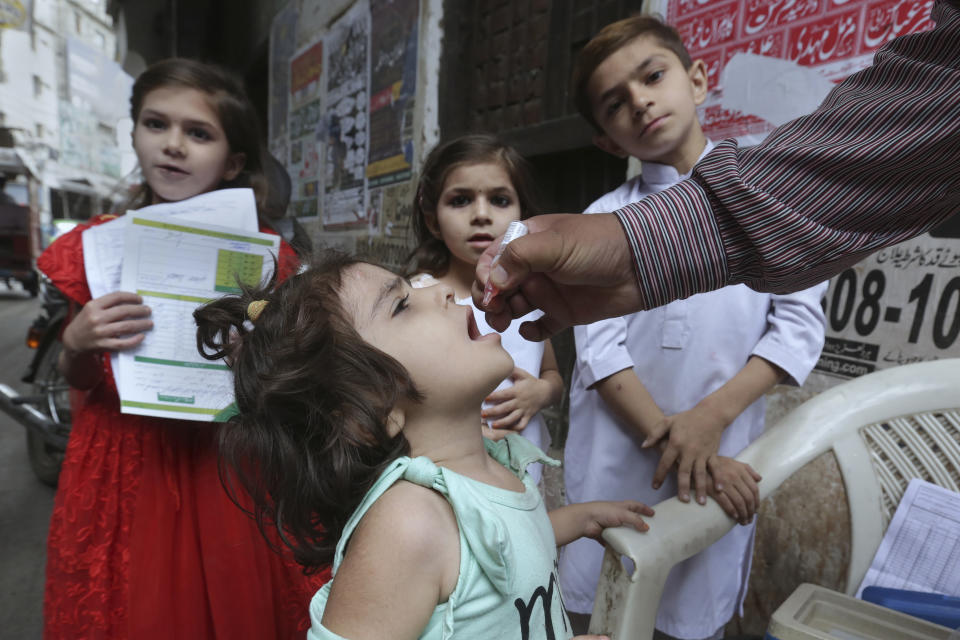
144,540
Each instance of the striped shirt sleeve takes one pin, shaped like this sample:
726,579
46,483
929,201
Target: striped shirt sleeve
878,162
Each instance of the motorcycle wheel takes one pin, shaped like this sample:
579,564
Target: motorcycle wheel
45,459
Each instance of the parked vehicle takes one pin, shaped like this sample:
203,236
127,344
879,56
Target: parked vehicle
18,247
45,411
20,234
50,392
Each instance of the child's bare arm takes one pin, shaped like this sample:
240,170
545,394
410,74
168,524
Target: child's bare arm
589,519
693,436
515,406
629,400
402,560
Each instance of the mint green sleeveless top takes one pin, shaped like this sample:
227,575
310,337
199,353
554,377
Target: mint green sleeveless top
507,587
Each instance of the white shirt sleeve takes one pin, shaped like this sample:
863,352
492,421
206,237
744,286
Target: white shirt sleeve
795,332
601,349
602,346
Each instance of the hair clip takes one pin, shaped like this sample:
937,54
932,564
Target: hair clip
255,308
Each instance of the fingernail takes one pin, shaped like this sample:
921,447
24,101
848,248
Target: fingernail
498,275
656,485
645,443
685,497
719,487
702,500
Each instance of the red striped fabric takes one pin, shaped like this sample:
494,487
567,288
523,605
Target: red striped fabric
878,162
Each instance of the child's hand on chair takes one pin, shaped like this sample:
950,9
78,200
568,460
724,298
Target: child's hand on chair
734,487
688,440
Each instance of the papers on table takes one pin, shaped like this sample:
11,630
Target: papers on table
921,549
177,256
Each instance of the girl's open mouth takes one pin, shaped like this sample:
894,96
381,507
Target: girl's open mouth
472,330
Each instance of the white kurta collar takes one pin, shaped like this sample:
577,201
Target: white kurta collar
655,173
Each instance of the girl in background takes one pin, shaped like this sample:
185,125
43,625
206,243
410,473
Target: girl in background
470,190
144,540
357,437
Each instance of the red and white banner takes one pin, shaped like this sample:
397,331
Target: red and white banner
834,37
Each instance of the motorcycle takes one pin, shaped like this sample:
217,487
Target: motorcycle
45,412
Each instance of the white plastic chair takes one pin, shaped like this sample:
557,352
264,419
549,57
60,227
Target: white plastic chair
885,428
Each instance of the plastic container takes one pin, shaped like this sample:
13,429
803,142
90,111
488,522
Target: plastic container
816,613
932,607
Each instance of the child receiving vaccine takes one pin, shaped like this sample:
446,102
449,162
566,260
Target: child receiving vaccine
470,190
359,397
144,541
659,399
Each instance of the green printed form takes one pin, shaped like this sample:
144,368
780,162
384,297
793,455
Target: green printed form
177,266
234,266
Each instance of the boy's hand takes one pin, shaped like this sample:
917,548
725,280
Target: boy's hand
693,437
602,515
512,408
735,488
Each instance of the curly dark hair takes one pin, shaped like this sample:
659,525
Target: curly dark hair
313,397
431,254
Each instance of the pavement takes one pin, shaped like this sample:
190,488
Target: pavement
25,502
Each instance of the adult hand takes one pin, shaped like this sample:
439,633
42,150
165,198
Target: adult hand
576,268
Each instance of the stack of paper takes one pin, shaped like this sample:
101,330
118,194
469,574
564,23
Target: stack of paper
177,256
920,550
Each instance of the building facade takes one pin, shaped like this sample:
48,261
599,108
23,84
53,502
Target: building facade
63,102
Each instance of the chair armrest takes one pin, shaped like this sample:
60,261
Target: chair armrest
626,603
677,531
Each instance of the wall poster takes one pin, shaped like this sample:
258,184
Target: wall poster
829,38
393,82
900,305
305,128
346,119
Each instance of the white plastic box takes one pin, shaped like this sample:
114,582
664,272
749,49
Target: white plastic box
816,613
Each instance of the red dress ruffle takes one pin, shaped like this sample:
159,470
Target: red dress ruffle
144,542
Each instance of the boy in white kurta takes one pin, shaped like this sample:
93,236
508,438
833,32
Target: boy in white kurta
689,376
